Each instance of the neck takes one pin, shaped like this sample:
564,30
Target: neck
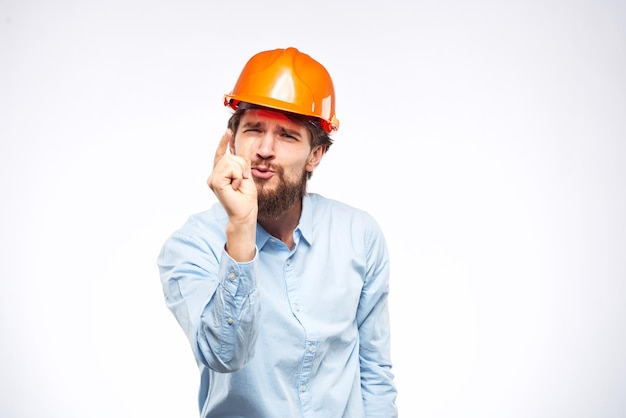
282,227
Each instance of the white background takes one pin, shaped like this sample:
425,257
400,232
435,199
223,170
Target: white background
488,138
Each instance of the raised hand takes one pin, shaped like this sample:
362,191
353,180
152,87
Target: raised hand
231,181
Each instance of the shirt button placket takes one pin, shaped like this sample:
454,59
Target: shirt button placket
289,280
305,376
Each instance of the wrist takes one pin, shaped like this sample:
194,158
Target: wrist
241,241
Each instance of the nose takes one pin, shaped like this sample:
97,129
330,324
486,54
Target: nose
265,149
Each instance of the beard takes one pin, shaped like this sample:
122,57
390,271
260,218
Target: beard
273,203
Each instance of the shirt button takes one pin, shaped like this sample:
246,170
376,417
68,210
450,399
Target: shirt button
230,321
309,349
296,307
232,276
289,261
302,388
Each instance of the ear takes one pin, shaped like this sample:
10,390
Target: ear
231,144
315,157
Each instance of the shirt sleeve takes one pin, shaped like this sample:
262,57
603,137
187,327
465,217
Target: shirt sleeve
213,298
378,387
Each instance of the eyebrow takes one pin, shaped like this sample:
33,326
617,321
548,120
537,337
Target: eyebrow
256,124
291,132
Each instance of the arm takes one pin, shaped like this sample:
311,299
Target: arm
377,385
210,284
213,298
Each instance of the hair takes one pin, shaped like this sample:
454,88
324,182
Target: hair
318,135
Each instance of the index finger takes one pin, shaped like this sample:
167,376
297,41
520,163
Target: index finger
222,147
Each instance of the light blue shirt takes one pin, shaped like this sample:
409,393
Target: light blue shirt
292,333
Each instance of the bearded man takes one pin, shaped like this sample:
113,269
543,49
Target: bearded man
283,294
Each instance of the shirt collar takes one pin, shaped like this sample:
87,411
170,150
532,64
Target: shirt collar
305,226
306,219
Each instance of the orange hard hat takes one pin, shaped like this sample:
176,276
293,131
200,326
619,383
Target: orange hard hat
287,80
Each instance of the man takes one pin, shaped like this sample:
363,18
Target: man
282,293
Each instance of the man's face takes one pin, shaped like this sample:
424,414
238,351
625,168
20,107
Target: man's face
279,150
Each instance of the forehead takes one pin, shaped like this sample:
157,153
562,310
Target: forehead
270,116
